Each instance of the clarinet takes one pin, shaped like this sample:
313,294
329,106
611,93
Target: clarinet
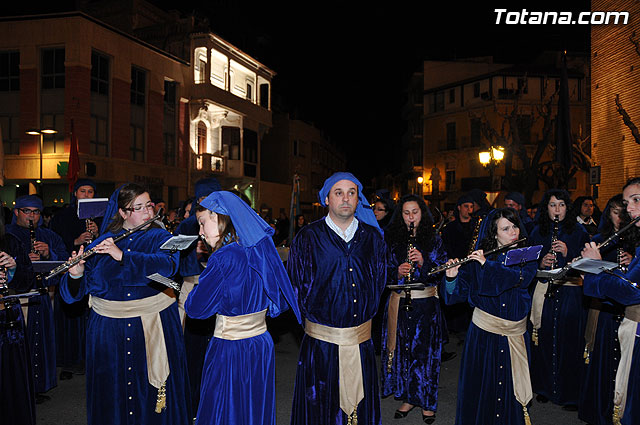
409,275
32,237
87,223
623,268
552,288
476,233
70,263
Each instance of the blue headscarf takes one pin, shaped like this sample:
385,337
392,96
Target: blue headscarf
363,209
79,183
28,201
111,211
485,227
255,237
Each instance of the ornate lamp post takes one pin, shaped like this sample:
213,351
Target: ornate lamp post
491,159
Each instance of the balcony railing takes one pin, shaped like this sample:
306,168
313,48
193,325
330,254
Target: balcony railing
209,162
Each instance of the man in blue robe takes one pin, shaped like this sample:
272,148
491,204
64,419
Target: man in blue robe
47,245
197,332
71,319
338,268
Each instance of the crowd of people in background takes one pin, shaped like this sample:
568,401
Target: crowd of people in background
528,339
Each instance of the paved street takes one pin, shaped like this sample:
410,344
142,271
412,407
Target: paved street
67,404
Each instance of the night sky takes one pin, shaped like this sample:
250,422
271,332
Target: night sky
344,66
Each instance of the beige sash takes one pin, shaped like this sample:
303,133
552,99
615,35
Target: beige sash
348,341
537,302
591,329
244,326
148,309
392,316
188,284
514,332
627,338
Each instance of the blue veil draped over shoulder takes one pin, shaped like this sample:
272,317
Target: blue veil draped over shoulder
255,237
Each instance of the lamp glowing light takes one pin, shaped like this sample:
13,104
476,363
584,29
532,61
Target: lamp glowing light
485,158
498,153
420,180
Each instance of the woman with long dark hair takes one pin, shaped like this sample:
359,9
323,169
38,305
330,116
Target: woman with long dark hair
136,367
623,288
244,281
494,384
601,351
558,317
412,338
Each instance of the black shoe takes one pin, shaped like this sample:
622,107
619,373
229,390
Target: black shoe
541,399
65,375
41,398
429,419
401,414
570,408
446,356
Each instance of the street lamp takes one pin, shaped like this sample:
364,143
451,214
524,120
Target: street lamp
41,133
490,159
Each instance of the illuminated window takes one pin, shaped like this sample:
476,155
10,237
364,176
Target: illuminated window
53,143
231,142
9,71
52,68
202,138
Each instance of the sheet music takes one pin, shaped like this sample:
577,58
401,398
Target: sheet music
589,265
179,243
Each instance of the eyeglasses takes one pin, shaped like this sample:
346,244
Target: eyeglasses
29,211
138,207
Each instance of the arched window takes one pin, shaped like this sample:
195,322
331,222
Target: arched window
202,138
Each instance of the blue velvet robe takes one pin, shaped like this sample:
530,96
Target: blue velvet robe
40,319
561,335
238,382
70,319
338,285
606,286
197,333
17,403
118,390
485,386
415,371
598,377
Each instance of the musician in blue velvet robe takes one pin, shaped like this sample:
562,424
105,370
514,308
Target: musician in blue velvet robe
17,400
39,316
337,267
132,320
560,338
602,355
71,319
486,386
624,289
197,332
411,361
244,281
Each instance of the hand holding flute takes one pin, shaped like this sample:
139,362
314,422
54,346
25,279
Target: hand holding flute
474,256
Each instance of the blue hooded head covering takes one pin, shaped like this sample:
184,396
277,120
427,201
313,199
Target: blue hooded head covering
255,237
485,227
78,184
28,201
111,211
205,186
363,209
